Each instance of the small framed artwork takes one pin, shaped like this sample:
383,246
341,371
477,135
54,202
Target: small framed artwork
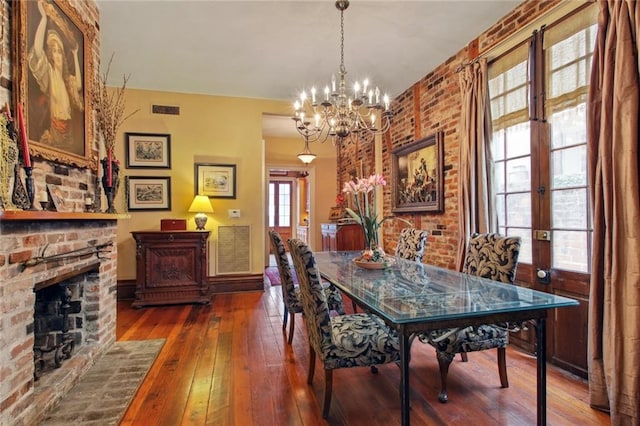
148,193
417,176
148,150
215,180
57,199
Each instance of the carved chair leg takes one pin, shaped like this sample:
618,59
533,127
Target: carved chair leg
291,328
286,317
502,367
444,361
312,365
328,385
464,357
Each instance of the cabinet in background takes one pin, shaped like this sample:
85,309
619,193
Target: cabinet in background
171,267
342,237
302,232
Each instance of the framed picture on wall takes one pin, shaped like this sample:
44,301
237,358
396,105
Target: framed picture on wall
417,176
148,193
215,180
148,150
59,128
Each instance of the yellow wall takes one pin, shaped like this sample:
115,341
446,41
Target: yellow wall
282,152
209,129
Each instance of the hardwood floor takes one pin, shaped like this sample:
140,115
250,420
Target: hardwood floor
228,364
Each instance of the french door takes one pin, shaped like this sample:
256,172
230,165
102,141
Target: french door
538,96
280,201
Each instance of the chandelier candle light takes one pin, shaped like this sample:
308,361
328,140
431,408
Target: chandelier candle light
339,113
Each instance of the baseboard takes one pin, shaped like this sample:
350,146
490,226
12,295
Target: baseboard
126,290
236,283
217,284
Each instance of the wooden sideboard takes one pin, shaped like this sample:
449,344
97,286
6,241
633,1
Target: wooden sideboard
342,237
171,267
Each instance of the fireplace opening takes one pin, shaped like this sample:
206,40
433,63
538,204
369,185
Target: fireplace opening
61,318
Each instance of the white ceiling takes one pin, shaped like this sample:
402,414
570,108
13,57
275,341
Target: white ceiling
274,49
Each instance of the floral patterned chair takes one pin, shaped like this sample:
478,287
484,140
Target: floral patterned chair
489,256
291,293
411,244
343,341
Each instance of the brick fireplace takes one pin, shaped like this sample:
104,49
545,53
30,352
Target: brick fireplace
29,235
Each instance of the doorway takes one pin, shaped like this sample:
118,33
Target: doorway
288,204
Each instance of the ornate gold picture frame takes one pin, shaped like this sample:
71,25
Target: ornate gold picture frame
53,73
418,176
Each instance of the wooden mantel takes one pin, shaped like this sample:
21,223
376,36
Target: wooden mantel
47,215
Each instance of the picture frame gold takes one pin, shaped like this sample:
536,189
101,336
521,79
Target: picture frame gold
418,176
59,131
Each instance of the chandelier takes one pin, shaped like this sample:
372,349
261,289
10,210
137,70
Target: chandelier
340,112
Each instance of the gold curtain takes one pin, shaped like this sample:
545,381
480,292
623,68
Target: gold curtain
475,171
614,309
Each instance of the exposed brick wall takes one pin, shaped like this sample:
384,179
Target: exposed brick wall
431,105
21,400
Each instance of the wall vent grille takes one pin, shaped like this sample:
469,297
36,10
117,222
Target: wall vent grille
233,249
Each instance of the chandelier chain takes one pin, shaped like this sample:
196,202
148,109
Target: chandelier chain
342,68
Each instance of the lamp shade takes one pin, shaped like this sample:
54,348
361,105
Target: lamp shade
306,158
201,204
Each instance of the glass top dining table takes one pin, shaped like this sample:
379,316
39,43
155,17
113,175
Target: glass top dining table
413,297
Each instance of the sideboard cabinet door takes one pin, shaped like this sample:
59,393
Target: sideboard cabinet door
171,267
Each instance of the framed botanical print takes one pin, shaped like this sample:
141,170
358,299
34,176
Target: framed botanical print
417,176
148,150
53,74
215,180
148,193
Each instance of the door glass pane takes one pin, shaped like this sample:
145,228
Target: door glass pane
569,167
519,174
272,205
500,210
284,204
568,250
498,176
569,126
518,138
519,210
570,208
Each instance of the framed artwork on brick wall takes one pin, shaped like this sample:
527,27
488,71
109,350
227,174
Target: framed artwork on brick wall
53,74
417,176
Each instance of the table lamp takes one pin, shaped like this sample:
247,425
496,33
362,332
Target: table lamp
200,206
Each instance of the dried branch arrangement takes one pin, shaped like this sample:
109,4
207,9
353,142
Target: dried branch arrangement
109,106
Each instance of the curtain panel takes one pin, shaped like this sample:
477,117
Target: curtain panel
475,209
612,137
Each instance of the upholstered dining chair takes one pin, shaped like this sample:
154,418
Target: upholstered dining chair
411,244
489,256
291,293
354,340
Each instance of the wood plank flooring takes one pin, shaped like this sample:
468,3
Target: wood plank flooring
228,363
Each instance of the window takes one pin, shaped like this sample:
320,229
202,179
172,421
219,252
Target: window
541,158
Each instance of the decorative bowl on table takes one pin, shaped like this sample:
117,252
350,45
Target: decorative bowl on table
367,264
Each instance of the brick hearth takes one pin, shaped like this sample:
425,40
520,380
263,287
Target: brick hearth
23,401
